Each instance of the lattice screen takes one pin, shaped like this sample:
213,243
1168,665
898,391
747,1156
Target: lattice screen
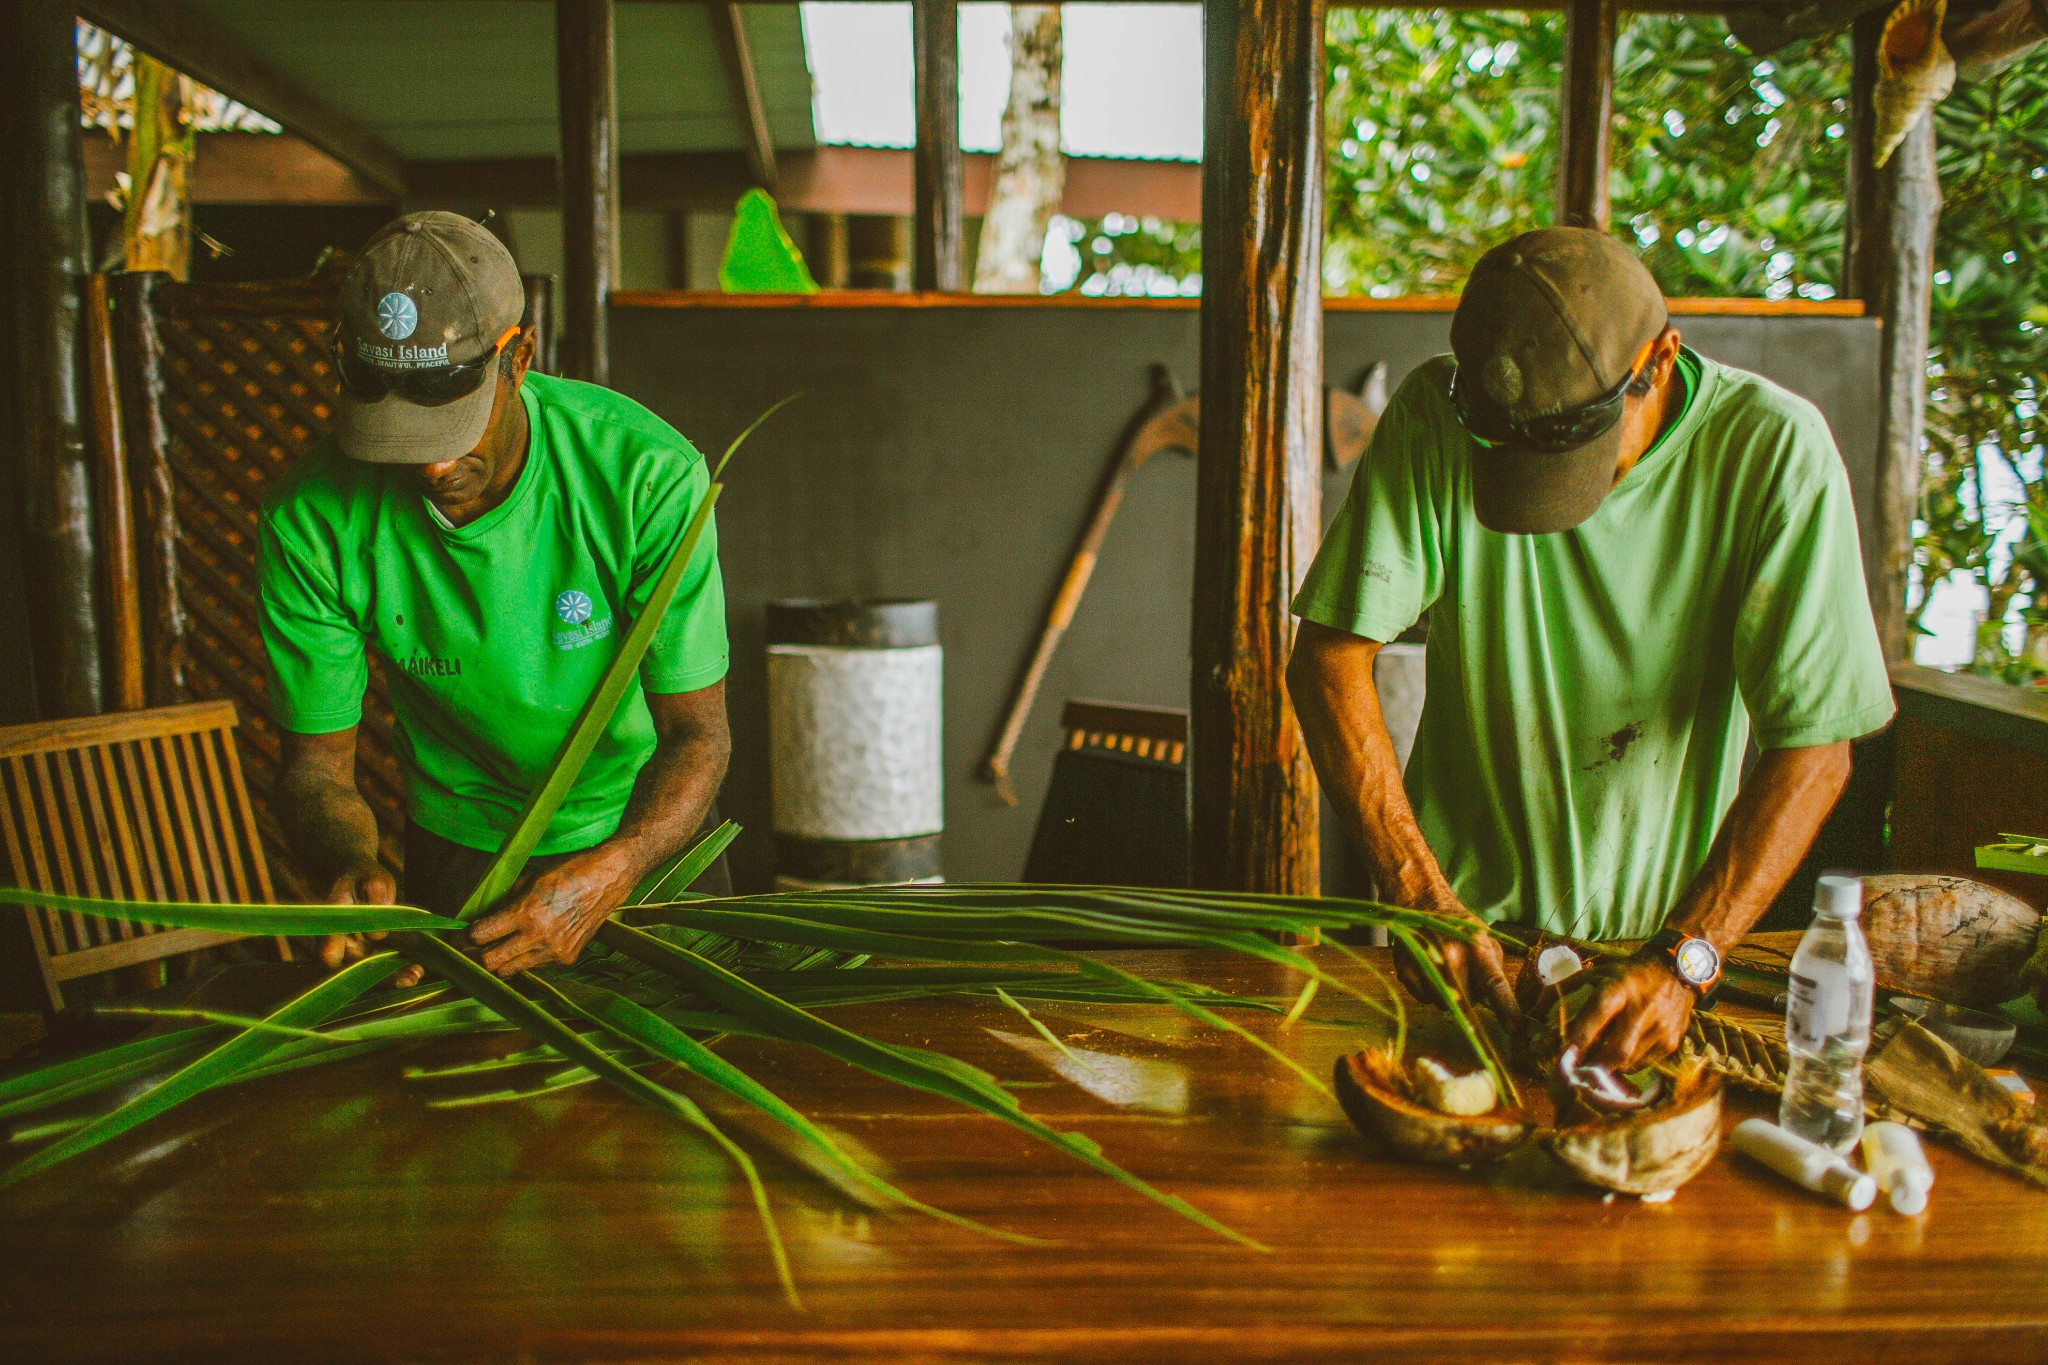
247,387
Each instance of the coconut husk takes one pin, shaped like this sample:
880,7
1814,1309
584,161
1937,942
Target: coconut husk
1948,938
1914,73
1653,1149
1379,1097
1917,1072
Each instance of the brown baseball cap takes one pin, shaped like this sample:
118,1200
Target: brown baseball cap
430,292
1549,323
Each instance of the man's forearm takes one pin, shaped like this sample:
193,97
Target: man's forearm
675,787
1766,834
670,799
328,826
1330,680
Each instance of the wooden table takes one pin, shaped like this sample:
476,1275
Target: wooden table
335,1215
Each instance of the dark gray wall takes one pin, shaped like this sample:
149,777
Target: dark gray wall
954,453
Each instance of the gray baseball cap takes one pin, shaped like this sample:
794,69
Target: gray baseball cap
1550,322
427,305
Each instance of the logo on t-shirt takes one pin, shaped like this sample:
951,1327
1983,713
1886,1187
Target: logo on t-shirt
578,629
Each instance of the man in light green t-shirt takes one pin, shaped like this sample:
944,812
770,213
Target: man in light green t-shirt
490,534
1631,558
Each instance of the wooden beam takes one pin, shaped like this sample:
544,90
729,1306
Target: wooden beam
1991,42
851,180
177,34
938,261
1585,113
1259,473
1862,220
1910,197
749,110
138,359
251,168
586,82
120,584
45,439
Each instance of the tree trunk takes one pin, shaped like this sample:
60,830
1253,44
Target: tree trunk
1030,173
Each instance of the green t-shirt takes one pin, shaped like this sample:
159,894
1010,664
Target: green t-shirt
494,634
1590,693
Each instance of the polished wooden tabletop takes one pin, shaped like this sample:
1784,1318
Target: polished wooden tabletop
334,1214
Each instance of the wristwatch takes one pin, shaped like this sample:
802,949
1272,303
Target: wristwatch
1693,961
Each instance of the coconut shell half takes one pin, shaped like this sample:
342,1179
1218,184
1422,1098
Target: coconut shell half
1374,1089
1654,1149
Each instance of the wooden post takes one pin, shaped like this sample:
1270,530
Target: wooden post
45,259
1259,479
125,688
138,363
587,90
1585,113
935,33
1862,222
1909,194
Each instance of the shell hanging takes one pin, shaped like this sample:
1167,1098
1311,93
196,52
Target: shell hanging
1914,73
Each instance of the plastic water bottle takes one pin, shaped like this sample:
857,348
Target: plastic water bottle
1827,1020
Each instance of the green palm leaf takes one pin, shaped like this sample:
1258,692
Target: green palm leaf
928,1072
530,1016
257,920
244,1049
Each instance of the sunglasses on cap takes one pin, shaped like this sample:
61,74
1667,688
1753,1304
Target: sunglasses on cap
429,388
1551,433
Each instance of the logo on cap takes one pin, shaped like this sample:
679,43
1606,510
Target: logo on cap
396,316
573,607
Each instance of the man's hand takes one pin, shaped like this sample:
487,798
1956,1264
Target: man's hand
1637,1016
549,917
1478,968
367,884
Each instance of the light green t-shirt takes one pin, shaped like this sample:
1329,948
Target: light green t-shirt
494,634
1590,693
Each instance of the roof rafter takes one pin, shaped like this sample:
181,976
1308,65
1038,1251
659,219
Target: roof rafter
749,110
181,37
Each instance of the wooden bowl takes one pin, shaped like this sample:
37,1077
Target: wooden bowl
1374,1089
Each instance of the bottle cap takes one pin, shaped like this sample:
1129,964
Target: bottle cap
1857,1189
1838,896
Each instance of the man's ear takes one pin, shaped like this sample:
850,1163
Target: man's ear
523,351
1666,354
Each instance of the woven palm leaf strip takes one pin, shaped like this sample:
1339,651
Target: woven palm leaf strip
1749,1058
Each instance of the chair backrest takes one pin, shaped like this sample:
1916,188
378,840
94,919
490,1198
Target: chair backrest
1116,810
141,805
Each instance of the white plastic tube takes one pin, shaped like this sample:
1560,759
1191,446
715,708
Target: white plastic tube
1805,1163
1893,1153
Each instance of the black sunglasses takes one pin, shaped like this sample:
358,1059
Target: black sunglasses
430,388
1552,433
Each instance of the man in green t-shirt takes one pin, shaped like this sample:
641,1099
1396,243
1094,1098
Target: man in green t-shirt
1629,556
489,533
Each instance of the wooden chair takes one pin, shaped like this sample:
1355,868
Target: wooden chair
143,805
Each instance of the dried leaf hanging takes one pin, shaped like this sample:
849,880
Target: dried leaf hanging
1914,73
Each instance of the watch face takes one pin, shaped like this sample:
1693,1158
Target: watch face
1697,961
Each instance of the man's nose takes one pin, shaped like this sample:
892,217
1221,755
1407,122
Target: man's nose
439,470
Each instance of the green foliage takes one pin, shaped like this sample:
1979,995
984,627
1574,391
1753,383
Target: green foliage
1984,498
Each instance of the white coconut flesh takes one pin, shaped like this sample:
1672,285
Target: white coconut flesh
1447,1092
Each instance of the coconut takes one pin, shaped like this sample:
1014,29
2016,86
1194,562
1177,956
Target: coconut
1948,937
1650,1150
1379,1096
